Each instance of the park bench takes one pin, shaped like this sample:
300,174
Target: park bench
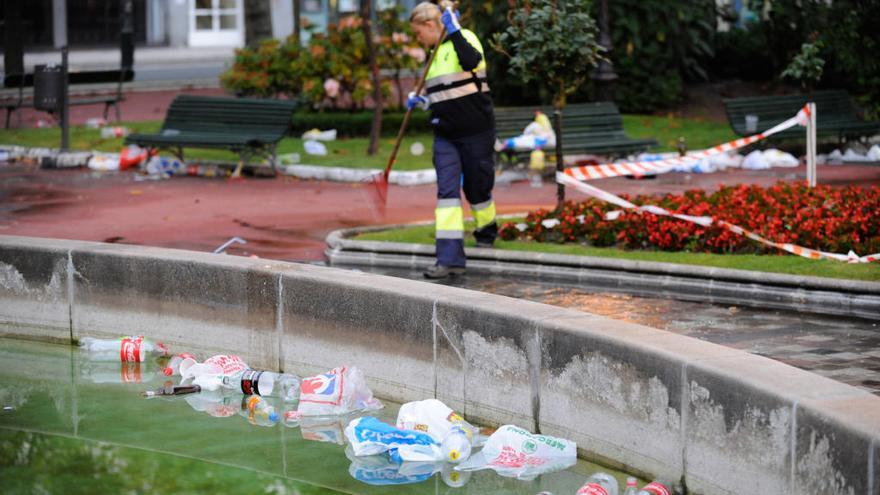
587,128
247,126
835,114
20,99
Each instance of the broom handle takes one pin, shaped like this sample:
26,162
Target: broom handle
419,86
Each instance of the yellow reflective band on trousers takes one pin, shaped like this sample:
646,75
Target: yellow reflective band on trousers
450,221
484,213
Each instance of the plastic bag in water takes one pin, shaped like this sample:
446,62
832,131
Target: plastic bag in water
516,453
339,391
369,436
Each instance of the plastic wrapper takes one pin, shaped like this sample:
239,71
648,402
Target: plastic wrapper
369,436
516,453
209,374
340,391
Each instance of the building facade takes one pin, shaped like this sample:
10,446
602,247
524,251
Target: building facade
48,24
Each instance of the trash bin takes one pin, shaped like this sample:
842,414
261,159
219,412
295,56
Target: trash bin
48,85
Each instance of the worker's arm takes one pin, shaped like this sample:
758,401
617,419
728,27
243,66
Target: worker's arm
469,56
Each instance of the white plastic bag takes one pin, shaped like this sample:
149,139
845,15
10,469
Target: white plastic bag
339,391
209,374
514,452
369,436
315,148
319,135
104,162
432,417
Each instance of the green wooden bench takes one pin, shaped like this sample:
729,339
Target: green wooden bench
247,126
835,115
587,128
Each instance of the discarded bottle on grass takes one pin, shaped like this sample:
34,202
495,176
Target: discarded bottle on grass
654,488
265,383
259,411
456,447
173,390
124,349
631,486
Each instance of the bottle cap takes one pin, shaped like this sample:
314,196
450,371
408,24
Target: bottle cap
273,417
453,455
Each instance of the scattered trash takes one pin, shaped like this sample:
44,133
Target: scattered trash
264,383
631,486
259,412
124,349
217,403
315,148
380,470
222,248
168,389
104,162
601,483
537,134
319,135
209,374
369,436
761,160
417,148
289,158
113,132
164,166
654,488
447,428
95,123
339,391
132,156
514,452
173,366
66,160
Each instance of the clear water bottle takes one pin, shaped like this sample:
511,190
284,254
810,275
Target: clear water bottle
259,411
654,488
632,486
124,349
606,481
265,383
456,447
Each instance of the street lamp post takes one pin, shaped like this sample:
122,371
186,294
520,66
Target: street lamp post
604,77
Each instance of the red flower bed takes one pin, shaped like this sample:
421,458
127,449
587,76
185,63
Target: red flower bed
829,219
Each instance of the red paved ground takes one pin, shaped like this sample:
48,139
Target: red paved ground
281,218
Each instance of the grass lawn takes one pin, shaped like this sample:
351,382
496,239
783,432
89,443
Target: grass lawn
352,152
787,264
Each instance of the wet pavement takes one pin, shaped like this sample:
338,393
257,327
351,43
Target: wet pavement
843,349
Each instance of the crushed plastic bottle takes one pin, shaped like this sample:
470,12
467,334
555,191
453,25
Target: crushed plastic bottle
592,489
259,411
124,349
654,488
631,486
265,383
456,447
173,366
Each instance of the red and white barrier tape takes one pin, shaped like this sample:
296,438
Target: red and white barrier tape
597,193
605,170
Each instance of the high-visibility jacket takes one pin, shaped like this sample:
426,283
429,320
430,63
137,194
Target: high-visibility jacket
457,89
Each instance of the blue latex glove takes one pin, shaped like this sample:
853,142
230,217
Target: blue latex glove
414,100
450,20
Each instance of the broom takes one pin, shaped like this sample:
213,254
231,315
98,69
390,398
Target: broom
380,180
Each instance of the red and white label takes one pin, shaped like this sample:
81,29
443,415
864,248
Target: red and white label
656,488
227,364
592,489
130,349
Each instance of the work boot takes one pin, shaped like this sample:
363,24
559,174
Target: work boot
437,272
485,244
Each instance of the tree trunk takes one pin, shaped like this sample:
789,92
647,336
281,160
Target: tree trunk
366,14
558,104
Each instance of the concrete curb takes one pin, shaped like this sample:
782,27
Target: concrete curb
687,282
669,406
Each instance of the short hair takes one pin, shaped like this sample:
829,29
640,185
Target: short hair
424,12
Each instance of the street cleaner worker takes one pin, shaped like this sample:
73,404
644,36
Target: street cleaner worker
457,93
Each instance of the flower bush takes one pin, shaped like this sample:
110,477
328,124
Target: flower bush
828,219
332,70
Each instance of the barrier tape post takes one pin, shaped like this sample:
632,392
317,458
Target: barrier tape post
811,143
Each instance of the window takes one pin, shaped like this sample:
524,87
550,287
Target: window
216,23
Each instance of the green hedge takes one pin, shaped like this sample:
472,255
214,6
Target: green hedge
357,124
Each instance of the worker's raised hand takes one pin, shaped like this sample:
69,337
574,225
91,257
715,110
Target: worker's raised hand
413,100
450,20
